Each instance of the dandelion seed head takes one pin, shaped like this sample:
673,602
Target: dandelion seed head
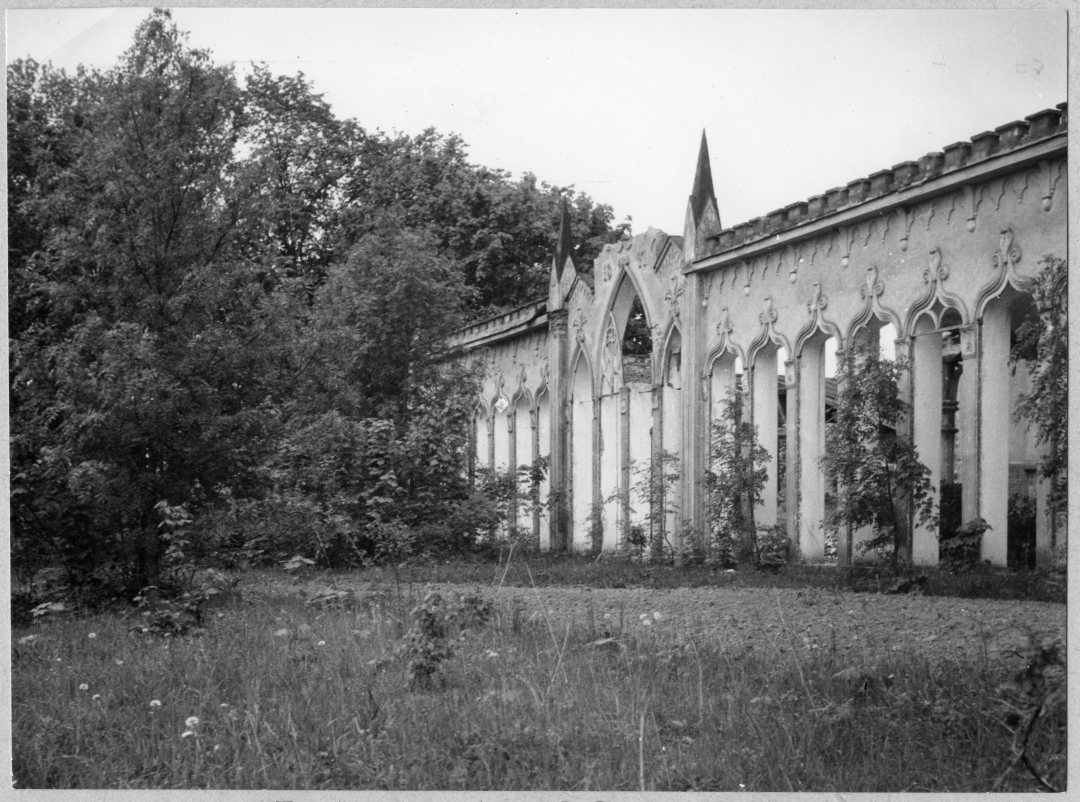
223,704
92,635
96,696
84,687
155,703
187,734
321,643
191,721
646,623
119,662
656,615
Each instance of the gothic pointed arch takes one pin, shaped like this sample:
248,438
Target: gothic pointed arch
871,291
609,357
935,296
662,338
579,357
818,322
625,288
767,332
1004,271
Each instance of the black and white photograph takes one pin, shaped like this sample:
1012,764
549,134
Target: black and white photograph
518,399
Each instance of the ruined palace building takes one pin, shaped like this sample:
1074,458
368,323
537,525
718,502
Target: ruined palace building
634,358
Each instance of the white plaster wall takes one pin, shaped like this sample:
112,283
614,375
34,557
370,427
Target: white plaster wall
640,451
610,462
581,456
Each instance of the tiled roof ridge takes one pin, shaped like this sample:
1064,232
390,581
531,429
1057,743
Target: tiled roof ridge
1004,138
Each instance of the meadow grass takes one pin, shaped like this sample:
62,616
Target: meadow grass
523,704
547,568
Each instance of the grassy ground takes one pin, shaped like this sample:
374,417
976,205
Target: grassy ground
289,696
551,568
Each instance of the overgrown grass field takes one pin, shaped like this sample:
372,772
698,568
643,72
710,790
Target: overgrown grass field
400,691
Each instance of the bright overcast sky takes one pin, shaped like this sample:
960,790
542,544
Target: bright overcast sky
614,101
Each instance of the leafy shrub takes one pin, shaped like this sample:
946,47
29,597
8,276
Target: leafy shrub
960,552
430,641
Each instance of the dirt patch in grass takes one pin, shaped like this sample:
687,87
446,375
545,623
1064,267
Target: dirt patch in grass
741,620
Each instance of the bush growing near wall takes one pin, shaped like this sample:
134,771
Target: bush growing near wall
734,481
874,468
1044,344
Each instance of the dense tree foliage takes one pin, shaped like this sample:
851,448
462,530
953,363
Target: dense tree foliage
223,295
875,469
1043,343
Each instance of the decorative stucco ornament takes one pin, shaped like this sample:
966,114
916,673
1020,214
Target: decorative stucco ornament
674,296
501,404
937,272
873,287
767,315
1008,253
817,301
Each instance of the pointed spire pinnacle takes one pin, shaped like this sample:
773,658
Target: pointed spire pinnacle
564,248
703,185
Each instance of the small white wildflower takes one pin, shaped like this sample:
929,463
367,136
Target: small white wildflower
155,703
223,704
96,696
186,734
656,615
490,654
607,615
321,643
217,747
92,635
119,662
643,616
191,721
646,623
84,687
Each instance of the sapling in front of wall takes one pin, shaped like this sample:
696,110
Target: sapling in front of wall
872,466
1042,344
734,482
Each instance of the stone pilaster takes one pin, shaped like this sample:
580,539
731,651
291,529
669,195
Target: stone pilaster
763,403
558,411
994,425
967,414
695,413
811,436
791,469
926,380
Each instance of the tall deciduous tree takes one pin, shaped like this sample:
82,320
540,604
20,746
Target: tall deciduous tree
376,434
145,383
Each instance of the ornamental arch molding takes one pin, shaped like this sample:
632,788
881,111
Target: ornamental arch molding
662,348
724,349
936,297
580,356
1003,264
816,306
626,280
767,333
871,291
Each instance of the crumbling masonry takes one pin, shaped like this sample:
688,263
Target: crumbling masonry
936,255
